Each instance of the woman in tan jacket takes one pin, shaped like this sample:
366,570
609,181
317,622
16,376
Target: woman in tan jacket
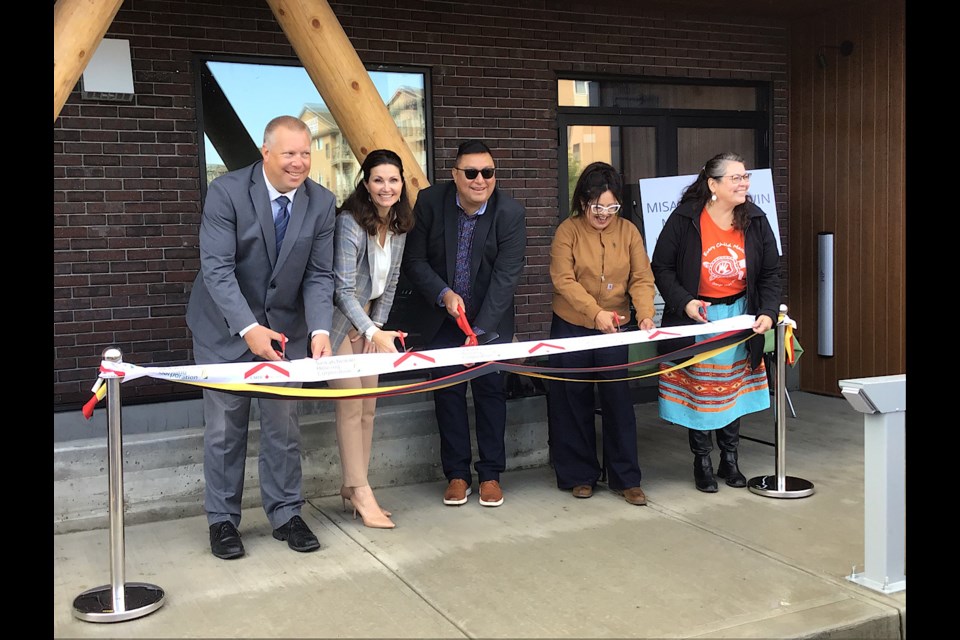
598,265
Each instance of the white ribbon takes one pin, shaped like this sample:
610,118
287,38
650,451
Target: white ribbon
367,364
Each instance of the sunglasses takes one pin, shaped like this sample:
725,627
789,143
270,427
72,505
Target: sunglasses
471,174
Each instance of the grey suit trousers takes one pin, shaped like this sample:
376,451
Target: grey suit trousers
227,420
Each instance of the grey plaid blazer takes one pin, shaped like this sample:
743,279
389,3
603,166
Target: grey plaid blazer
352,284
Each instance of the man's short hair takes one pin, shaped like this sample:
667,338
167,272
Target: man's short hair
472,146
289,122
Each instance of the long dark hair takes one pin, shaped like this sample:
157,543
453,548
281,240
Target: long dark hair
699,191
597,178
360,205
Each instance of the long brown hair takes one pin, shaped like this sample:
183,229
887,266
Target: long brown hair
360,205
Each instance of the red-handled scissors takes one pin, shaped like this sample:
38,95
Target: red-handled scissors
466,328
283,346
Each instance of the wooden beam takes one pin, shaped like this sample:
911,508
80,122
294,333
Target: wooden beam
78,28
344,84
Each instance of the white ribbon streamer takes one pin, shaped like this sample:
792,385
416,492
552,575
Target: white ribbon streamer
367,364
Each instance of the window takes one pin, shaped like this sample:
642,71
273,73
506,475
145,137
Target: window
233,116
650,128
636,94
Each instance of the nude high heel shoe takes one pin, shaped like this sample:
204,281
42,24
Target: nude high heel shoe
346,493
366,505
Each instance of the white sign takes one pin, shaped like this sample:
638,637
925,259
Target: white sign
660,196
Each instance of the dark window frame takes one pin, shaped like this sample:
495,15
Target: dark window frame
666,122
199,61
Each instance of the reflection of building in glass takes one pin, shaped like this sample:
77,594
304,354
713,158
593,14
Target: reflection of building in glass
332,161
586,144
590,144
407,110
215,171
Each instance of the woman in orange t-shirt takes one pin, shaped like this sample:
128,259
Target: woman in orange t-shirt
717,258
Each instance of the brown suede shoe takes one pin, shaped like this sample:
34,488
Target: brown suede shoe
633,495
490,494
582,491
457,492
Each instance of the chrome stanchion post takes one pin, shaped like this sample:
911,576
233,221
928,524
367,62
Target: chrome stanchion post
119,600
781,485
780,459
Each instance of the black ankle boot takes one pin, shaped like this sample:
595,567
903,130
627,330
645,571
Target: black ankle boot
701,444
728,439
703,474
729,470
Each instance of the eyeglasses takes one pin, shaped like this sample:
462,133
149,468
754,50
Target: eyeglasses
471,174
737,178
599,209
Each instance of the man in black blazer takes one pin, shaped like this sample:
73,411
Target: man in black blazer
266,269
466,253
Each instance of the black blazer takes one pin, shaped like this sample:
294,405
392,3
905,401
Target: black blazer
499,246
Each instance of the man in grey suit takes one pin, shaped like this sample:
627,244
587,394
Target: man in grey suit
266,257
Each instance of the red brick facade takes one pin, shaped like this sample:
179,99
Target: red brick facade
127,176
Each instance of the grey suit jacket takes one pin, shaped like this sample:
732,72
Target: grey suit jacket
242,280
353,284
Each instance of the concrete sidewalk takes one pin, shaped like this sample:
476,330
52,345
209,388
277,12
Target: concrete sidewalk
544,565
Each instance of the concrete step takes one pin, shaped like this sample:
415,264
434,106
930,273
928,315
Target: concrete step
163,471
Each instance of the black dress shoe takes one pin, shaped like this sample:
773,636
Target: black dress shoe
298,535
225,540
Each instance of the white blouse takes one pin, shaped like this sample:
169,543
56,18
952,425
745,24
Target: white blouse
379,259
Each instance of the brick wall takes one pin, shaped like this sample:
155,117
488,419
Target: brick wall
127,179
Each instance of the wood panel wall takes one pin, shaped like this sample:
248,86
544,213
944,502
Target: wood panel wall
847,176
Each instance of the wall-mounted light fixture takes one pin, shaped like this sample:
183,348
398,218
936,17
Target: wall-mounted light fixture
845,48
109,74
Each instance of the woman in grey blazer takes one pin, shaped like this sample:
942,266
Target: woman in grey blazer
369,238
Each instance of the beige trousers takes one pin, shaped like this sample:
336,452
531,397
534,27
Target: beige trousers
354,422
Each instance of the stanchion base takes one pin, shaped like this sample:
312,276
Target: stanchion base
792,487
96,605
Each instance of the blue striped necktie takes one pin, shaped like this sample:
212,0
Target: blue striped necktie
280,222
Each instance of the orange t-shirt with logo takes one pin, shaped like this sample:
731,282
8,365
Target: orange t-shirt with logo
723,262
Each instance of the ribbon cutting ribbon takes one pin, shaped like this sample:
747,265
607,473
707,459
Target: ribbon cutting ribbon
258,377
358,365
256,373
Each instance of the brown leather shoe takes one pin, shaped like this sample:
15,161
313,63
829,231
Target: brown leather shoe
457,492
582,491
634,495
490,494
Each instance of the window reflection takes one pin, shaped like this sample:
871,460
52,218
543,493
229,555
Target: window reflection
231,109
629,94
